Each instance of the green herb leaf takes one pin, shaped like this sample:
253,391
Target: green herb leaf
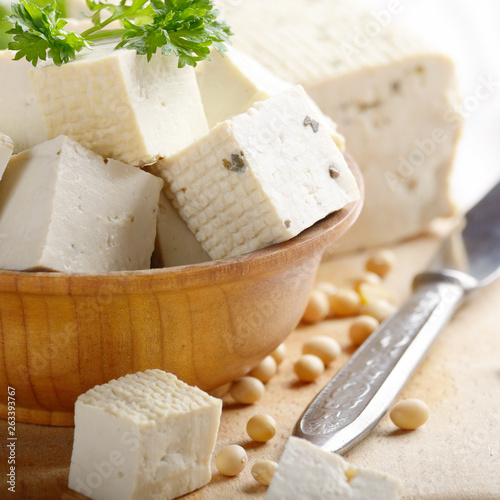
5,26
38,32
187,28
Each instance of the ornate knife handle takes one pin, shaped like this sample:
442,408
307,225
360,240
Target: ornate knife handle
354,401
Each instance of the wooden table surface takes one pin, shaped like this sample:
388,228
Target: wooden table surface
455,455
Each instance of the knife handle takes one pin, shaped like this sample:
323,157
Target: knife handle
354,401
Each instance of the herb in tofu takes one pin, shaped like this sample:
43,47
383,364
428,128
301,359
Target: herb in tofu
314,124
186,28
334,173
237,163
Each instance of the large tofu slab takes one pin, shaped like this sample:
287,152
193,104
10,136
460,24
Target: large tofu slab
175,244
20,116
120,106
305,471
6,148
392,96
65,208
231,84
259,178
146,436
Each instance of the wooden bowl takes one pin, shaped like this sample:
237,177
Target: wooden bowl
208,323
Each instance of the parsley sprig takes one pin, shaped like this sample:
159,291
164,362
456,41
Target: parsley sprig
187,28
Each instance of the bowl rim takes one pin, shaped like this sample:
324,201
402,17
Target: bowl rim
319,236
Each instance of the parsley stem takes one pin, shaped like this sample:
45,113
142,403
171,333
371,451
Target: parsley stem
106,34
124,13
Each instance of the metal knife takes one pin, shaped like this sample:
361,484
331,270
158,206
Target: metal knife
354,401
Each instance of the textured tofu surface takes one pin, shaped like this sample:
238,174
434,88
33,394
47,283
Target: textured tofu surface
6,149
20,116
305,471
229,85
259,178
65,208
175,244
392,96
151,434
120,106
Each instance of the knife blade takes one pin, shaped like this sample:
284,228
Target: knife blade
360,394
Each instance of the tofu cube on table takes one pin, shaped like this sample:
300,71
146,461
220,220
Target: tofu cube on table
6,148
260,178
144,436
307,471
65,208
121,106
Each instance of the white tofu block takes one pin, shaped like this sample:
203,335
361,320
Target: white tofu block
65,208
6,148
305,471
20,116
146,436
175,244
393,97
259,178
231,84
120,106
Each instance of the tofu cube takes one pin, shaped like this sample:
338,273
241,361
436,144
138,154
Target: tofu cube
65,208
259,178
6,148
231,84
175,244
307,471
20,116
144,436
121,106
